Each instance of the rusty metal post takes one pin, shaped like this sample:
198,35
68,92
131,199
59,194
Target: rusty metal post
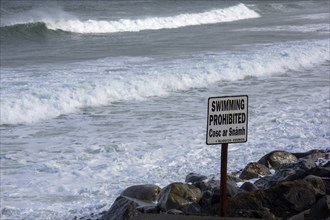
223,182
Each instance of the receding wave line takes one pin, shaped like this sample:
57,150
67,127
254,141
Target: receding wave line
229,14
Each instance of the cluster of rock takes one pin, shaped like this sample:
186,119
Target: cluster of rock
281,185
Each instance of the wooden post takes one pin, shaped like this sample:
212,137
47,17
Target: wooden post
223,182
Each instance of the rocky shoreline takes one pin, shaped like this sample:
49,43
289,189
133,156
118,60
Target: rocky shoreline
281,185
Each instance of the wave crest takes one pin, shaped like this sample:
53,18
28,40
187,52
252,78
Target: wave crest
229,14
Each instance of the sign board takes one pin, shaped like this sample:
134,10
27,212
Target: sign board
227,119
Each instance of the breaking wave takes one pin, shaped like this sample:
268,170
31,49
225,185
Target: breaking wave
105,81
74,25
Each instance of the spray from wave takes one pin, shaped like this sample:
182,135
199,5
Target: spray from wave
106,82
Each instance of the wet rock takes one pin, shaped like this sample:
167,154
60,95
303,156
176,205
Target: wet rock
320,171
195,178
232,188
326,181
178,195
122,209
254,170
276,159
327,164
147,192
149,209
288,174
200,181
283,200
312,153
317,183
249,187
289,198
321,210
192,209
261,213
266,182
205,201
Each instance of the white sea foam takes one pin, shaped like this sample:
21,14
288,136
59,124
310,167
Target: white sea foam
44,100
229,14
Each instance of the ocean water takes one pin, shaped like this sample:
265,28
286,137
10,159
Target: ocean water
97,96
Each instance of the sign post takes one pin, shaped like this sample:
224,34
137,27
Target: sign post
227,119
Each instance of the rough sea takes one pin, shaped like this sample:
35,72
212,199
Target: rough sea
97,96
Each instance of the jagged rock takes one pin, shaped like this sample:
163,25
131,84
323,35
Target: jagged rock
317,183
288,174
321,210
149,209
254,170
122,209
320,171
283,200
212,184
249,187
312,153
326,181
147,192
289,198
327,164
262,213
205,201
232,188
266,182
200,181
192,209
248,205
178,195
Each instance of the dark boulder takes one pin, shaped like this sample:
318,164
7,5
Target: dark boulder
122,209
266,182
320,171
321,210
248,187
200,181
206,200
195,178
326,181
312,153
283,200
289,198
317,183
178,195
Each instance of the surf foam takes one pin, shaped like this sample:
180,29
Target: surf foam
107,85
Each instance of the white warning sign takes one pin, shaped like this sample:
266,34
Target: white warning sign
227,119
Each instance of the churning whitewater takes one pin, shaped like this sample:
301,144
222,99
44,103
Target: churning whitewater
97,96
42,101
